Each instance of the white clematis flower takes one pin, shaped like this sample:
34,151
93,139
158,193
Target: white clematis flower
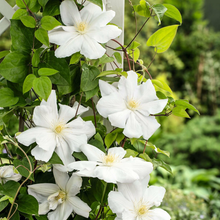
133,201
54,133
131,105
60,197
111,168
84,30
8,173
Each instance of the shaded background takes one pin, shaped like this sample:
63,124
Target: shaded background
192,69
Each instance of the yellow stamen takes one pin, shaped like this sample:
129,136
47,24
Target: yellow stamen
58,129
132,104
81,27
61,195
109,159
142,210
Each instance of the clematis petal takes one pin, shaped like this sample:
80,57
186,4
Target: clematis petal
152,107
61,178
158,214
119,152
154,195
79,207
70,47
105,34
43,208
52,103
73,186
110,104
44,116
131,191
89,12
91,49
64,151
59,35
147,88
106,88
128,86
82,165
119,119
133,128
62,211
79,127
118,203
92,153
149,125
102,19
66,113
43,155
70,14
74,141
42,189
79,108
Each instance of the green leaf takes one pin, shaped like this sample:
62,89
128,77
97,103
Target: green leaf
120,137
28,83
180,111
28,21
33,5
14,67
161,85
7,97
105,59
22,37
42,86
89,94
4,53
97,2
52,8
48,23
160,163
88,78
97,144
10,188
42,36
159,11
79,155
145,157
36,57
19,13
43,2
173,12
163,38
55,159
161,95
185,103
112,72
3,204
47,71
28,204
24,163
130,152
75,58
118,57
142,9
60,64
134,54
99,138
109,139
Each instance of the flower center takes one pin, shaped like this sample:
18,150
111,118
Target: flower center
81,27
61,196
109,159
142,210
132,104
58,129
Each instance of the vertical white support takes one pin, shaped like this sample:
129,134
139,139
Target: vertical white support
117,6
7,11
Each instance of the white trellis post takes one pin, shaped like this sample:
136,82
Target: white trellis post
7,11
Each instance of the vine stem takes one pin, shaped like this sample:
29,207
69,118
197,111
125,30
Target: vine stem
125,52
30,172
101,206
80,99
93,109
145,146
152,59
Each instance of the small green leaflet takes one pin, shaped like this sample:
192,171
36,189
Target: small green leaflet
159,10
4,53
173,12
161,85
28,83
180,112
7,97
48,23
163,38
28,21
42,36
185,103
47,72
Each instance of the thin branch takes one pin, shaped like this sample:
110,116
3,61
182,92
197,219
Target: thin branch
152,59
145,146
80,99
93,109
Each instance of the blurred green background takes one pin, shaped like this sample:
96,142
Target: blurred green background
192,68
